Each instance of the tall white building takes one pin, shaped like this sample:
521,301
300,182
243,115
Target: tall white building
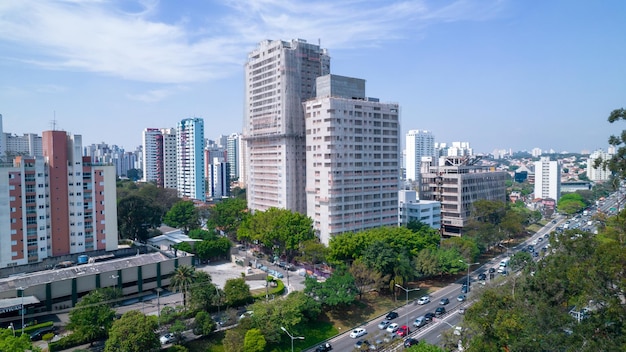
536,152
219,179
233,151
598,173
419,143
352,158
190,159
159,157
279,76
547,179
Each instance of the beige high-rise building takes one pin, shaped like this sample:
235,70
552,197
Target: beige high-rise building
279,77
352,158
457,182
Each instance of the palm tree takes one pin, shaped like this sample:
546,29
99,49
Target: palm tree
182,279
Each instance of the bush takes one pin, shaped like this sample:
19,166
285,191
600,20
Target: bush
276,291
67,342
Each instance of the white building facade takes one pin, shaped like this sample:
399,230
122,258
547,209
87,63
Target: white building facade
419,143
547,179
410,208
279,76
352,158
598,173
190,159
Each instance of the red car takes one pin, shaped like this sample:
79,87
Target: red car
403,331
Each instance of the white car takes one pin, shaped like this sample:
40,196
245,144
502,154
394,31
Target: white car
167,338
423,300
392,328
358,332
383,324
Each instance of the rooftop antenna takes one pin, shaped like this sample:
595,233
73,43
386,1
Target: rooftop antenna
54,120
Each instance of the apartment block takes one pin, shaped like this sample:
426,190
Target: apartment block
190,159
547,179
279,77
56,204
419,143
457,182
352,158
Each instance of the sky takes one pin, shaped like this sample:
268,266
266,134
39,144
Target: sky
500,74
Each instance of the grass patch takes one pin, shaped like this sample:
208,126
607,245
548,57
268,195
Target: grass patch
211,343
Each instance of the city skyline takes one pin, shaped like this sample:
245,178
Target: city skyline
498,74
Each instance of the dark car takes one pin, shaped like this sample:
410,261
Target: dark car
482,276
362,344
410,342
492,270
440,311
391,316
429,316
464,288
38,335
444,301
324,347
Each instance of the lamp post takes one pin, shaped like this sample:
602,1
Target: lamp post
158,289
468,272
20,291
291,336
407,290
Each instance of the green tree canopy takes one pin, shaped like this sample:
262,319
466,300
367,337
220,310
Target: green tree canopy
11,343
227,215
92,316
254,341
135,216
237,292
183,215
337,291
133,332
182,279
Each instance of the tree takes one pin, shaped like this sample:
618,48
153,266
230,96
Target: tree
234,339
203,324
183,215
338,290
182,279
424,347
177,329
571,203
312,251
133,332
254,341
213,248
228,214
92,316
203,292
135,216
617,163
366,278
237,292
11,343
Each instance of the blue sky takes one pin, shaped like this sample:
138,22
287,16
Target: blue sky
499,74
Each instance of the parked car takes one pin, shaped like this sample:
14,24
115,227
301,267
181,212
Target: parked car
444,301
38,335
324,347
167,338
440,311
392,315
423,300
383,324
358,332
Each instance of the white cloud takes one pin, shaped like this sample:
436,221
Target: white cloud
155,95
104,36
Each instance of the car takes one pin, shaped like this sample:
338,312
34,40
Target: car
324,347
440,311
410,342
358,332
502,269
167,338
383,324
423,300
389,337
420,321
458,330
540,239
536,254
393,327
546,236
462,310
464,288
403,331
362,344
392,315
461,298
429,316
554,221
38,334
492,270
482,276
444,301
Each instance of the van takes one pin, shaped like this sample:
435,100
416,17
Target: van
420,321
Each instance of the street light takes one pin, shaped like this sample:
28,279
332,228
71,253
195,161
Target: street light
20,291
468,272
407,290
158,289
291,336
